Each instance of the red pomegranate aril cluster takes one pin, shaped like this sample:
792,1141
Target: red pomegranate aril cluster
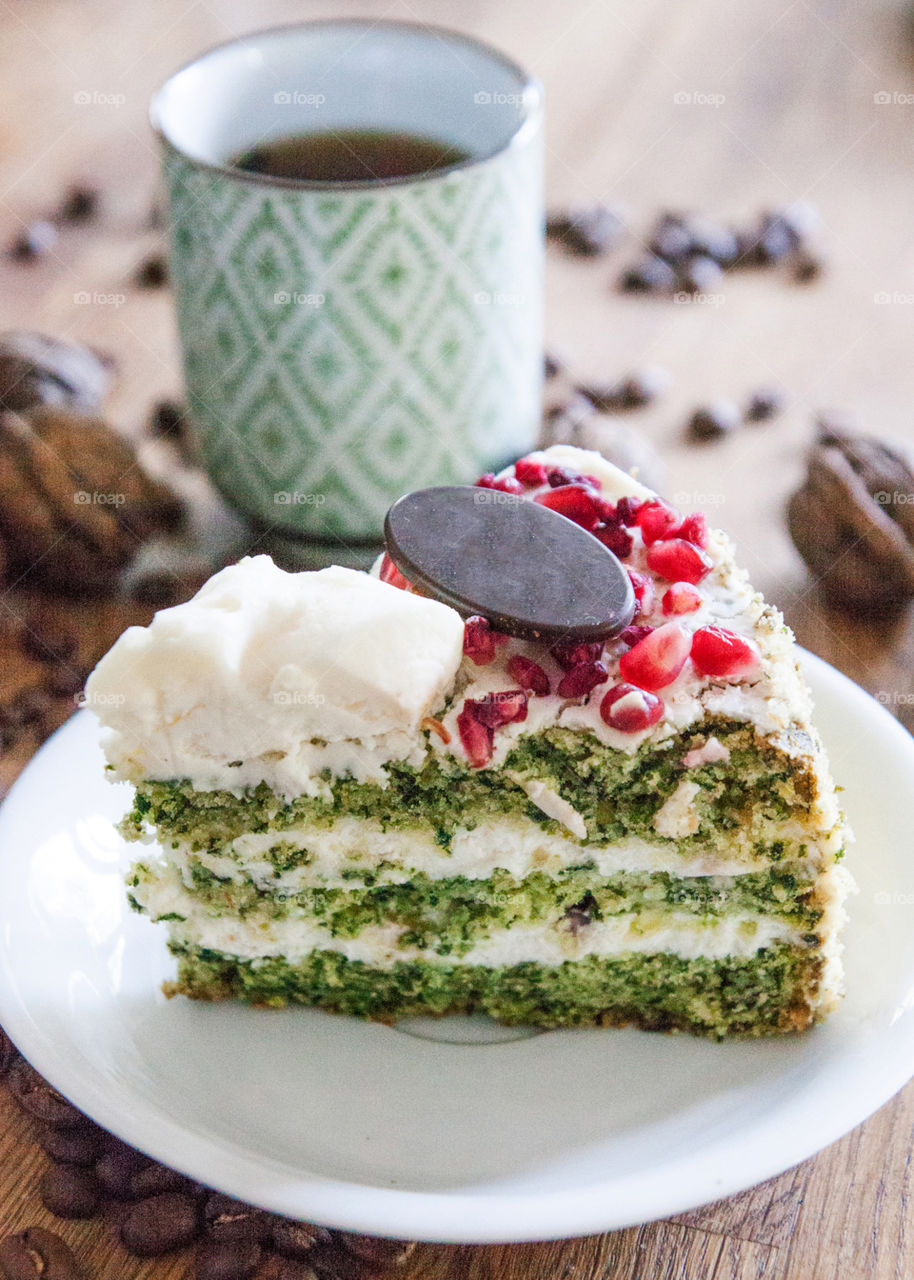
694,529
391,574
480,641
572,655
679,561
657,520
681,597
582,679
632,634
529,675
557,477
480,717
575,501
719,652
615,538
530,472
627,511
504,484
630,709
657,660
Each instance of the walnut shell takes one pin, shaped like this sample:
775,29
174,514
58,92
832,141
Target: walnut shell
851,521
75,503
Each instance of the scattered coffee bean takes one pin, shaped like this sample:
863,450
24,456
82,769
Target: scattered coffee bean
44,640
118,1167
80,203
160,1224
807,267
713,240
33,241
298,1239
69,1191
801,219
700,274
634,392
8,1052
64,682
671,237
229,1219
764,403
81,1145
372,1254
277,1268
152,273
39,1099
552,365
712,421
37,1254
227,1259
587,231
155,1179
651,275
169,420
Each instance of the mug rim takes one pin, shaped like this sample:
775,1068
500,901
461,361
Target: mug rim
529,85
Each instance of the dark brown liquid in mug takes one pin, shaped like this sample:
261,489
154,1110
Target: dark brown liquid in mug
349,155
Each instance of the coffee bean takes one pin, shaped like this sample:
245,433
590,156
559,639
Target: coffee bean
229,1219
634,392
155,1179
117,1168
587,231
297,1239
45,641
152,273
33,241
714,240
70,1192
276,1268
552,365
807,267
671,237
37,1253
375,1250
700,274
80,203
227,1259
764,403
651,275
168,420
39,1099
160,1224
800,219
8,1052
714,420
81,1145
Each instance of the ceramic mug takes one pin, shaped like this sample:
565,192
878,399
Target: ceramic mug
345,342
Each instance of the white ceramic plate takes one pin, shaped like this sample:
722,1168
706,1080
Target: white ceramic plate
446,1130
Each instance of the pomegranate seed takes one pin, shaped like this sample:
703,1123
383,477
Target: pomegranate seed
496,709
627,510
679,561
530,473
618,540
608,512
572,655
529,675
657,660
506,484
479,640
718,652
475,737
643,588
694,529
631,635
575,501
681,597
630,710
594,481
558,476
390,573
656,520
581,679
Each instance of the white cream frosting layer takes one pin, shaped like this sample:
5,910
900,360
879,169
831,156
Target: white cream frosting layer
516,845
677,933
286,673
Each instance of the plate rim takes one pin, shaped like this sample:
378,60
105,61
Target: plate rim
455,1216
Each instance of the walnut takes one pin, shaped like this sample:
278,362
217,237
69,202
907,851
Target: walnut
36,369
852,521
75,503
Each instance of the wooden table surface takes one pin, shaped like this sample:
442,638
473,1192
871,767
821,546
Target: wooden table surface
795,115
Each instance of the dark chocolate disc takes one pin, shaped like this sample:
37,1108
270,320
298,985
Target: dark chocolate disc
532,572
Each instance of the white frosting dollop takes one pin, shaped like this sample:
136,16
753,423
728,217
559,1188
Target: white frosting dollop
274,676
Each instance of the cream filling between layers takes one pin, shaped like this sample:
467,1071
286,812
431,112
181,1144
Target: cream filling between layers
516,845
250,939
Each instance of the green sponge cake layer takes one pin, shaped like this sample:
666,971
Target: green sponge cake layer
758,806
769,993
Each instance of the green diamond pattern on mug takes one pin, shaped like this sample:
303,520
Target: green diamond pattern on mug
359,343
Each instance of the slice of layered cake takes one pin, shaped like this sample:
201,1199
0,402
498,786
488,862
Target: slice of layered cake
353,797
